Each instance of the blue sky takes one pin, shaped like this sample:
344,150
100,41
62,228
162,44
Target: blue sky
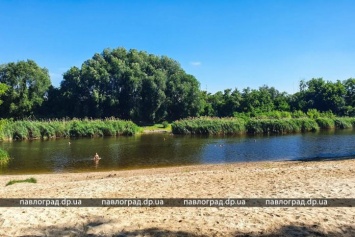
224,44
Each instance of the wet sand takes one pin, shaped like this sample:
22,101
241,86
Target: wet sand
320,179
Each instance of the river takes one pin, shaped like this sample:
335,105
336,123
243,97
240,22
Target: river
159,150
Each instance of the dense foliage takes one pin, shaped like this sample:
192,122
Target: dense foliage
129,85
209,125
23,86
134,85
26,129
3,89
336,97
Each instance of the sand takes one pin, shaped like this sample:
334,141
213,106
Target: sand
321,179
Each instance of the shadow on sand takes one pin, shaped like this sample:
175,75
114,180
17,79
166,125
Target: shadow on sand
325,158
283,231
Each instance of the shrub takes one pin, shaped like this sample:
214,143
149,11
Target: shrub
343,123
328,114
298,114
325,123
20,130
307,124
276,126
313,114
208,125
165,124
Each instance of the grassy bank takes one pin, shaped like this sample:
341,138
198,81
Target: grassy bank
160,127
26,129
207,125
281,126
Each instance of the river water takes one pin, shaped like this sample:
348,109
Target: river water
159,150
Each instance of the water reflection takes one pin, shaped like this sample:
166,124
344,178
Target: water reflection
156,150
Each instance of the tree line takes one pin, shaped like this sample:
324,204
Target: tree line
146,88
315,94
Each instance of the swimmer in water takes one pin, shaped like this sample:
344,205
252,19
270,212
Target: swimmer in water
97,157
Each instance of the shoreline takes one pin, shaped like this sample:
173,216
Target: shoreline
174,167
268,179
149,170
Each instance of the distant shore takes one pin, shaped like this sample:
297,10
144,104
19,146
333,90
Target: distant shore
294,179
146,131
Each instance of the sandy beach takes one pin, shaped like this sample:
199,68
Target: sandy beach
320,179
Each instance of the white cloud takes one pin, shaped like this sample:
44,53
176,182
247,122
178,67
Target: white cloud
195,64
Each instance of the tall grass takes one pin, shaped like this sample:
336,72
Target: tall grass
4,157
269,123
281,126
325,123
208,125
275,114
344,122
240,124
27,129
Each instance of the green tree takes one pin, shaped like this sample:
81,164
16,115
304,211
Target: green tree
282,102
349,108
131,85
3,89
256,101
228,102
183,96
323,95
349,85
153,98
216,100
72,93
266,97
206,104
27,86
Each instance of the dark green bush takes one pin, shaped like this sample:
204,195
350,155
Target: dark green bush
165,124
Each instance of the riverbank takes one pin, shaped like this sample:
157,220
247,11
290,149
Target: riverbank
46,129
322,179
210,125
